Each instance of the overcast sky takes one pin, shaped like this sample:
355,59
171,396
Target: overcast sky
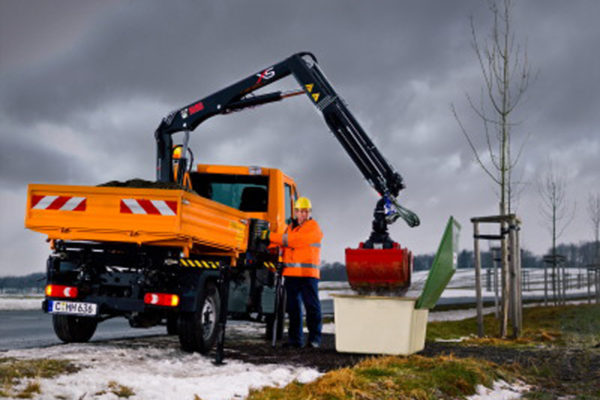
84,84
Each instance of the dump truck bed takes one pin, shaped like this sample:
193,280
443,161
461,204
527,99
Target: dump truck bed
165,217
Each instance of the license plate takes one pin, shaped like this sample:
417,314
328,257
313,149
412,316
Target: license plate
71,308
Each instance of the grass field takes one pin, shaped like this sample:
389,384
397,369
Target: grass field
557,355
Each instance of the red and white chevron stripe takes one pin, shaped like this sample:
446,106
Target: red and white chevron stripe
62,203
143,206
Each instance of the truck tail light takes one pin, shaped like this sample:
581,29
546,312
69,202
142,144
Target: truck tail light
161,299
61,291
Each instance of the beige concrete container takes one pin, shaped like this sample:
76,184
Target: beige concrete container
378,325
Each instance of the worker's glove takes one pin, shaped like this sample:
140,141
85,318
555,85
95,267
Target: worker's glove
264,235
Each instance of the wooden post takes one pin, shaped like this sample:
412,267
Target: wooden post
509,294
478,279
512,310
589,284
545,284
505,286
519,299
496,284
597,274
565,283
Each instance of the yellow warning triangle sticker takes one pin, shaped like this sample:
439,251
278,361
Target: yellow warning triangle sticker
315,97
309,87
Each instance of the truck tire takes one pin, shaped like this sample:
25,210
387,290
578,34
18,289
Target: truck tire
198,330
74,329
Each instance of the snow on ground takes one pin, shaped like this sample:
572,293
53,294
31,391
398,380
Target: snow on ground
20,303
462,285
501,390
156,373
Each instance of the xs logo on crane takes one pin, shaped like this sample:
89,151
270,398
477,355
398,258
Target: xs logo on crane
267,74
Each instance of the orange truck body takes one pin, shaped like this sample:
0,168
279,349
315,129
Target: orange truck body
175,218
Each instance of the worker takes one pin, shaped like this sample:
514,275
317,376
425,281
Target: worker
301,244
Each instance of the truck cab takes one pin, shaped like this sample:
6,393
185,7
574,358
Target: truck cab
262,193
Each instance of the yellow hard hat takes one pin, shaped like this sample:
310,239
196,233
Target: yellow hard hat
177,152
302,203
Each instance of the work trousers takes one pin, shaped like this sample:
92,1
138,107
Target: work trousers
305,290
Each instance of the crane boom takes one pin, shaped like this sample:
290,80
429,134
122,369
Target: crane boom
380,174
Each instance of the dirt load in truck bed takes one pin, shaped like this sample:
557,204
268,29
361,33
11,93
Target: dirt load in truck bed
144,184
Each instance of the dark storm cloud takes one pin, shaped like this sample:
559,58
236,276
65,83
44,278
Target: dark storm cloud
26,162
86,83
180,50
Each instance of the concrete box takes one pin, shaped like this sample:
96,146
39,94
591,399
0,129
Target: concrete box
378,325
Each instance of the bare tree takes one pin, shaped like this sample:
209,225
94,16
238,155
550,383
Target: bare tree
556,211
506,75
594,214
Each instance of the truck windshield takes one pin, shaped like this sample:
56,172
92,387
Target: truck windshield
245,192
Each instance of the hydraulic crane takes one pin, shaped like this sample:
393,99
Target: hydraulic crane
379,263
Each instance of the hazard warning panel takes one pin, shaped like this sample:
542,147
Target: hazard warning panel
151,207
58,203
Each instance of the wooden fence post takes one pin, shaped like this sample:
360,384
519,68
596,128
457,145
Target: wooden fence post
478,279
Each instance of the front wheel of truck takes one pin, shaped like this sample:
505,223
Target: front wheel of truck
198,330
74,329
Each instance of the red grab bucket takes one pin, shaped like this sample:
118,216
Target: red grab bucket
379,270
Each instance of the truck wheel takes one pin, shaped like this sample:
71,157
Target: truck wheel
172,321
73,329
198,330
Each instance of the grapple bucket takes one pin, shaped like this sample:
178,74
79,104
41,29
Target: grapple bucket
379,270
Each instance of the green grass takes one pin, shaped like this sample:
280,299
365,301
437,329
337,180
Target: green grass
29,391
413,377
13,371
573,326
570,333
119,390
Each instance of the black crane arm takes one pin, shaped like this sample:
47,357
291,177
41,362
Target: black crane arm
303,66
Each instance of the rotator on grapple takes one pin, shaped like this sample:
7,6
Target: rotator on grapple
379,263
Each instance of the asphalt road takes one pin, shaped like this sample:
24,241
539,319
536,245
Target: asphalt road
20,329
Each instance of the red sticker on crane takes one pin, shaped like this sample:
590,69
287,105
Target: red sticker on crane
196,107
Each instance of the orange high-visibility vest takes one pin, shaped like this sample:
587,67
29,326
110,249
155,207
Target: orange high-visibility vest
301,249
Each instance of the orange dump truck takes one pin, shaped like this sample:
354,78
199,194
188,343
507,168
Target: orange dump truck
155,255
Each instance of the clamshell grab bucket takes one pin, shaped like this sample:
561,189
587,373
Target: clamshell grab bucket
379,270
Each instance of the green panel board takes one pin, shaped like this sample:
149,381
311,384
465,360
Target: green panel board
444,265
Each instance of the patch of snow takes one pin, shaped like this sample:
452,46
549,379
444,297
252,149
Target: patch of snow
457,315
20,303
328,328
157,373
325,294
457,340
501,390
